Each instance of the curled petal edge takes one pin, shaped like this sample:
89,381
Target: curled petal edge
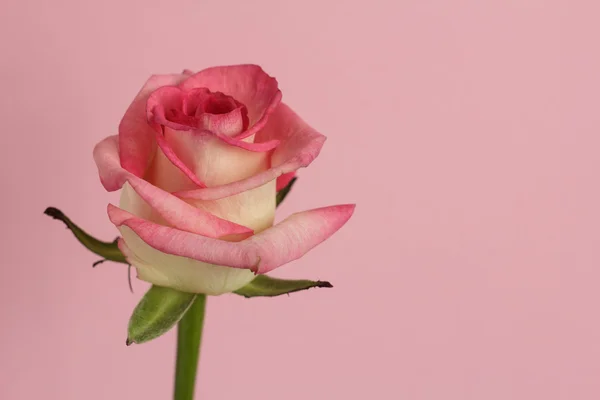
261,253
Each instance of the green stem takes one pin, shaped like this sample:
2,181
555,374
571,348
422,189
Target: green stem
189,336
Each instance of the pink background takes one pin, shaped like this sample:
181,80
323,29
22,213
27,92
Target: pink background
466,131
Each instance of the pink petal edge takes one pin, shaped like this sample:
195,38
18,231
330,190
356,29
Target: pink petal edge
175,160
261,253
247,83
165,95
136,137
157,120
299,146
264,119
175,211
256,147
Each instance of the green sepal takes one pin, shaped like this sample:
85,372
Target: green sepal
108,250
156,313
265,286
282,194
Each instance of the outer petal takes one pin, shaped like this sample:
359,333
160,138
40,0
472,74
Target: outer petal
261,253
106,156
300,145
136,137
181,273
148,201
297,234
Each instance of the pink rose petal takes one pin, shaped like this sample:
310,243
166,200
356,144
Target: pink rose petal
261,253
173,210
136,137
299,146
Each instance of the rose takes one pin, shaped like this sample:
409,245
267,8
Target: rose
199,158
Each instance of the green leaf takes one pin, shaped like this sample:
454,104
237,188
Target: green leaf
282,194
108,250
265,286
158,311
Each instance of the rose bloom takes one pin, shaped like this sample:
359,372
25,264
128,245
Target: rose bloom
199,158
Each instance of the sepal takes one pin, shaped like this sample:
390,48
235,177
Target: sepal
156,313
107,250
265,286
282,194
